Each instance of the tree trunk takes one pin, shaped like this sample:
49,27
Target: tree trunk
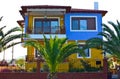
52,75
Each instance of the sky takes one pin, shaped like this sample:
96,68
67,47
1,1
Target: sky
9,9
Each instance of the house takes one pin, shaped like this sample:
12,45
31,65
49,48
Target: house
78,25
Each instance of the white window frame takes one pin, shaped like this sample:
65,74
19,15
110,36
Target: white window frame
89,52
84,30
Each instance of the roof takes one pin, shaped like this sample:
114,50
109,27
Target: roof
103,12
45,6
20,22
68,9
24,8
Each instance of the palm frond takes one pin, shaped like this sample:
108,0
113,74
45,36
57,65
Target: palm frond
13,30
2,28
67,50
1,18
10,45
54,50
1,31
10,38
111,33
116,28
94,43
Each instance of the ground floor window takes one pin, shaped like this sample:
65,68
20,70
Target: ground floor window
36,53
86,51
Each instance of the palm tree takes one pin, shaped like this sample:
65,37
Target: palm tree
111,43
54,51
8,37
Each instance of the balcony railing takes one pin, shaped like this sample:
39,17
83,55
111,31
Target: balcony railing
47,30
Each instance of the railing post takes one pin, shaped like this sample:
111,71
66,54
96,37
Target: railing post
105,65
38,64
105,68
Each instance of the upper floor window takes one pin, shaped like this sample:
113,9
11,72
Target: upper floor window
46,26
86,51
83,23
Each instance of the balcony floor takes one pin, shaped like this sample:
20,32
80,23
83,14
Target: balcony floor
40,36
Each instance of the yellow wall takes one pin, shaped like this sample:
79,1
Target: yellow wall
30,25
63,67
30,53
96,55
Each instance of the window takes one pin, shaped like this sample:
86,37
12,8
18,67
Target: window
38,26
46,26
83,23
75,25
54,26
36,53
87,52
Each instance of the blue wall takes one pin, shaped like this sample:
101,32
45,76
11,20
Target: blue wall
82,35
26,23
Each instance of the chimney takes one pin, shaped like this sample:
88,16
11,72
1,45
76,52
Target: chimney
95,5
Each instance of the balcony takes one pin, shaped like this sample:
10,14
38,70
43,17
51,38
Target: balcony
37,33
